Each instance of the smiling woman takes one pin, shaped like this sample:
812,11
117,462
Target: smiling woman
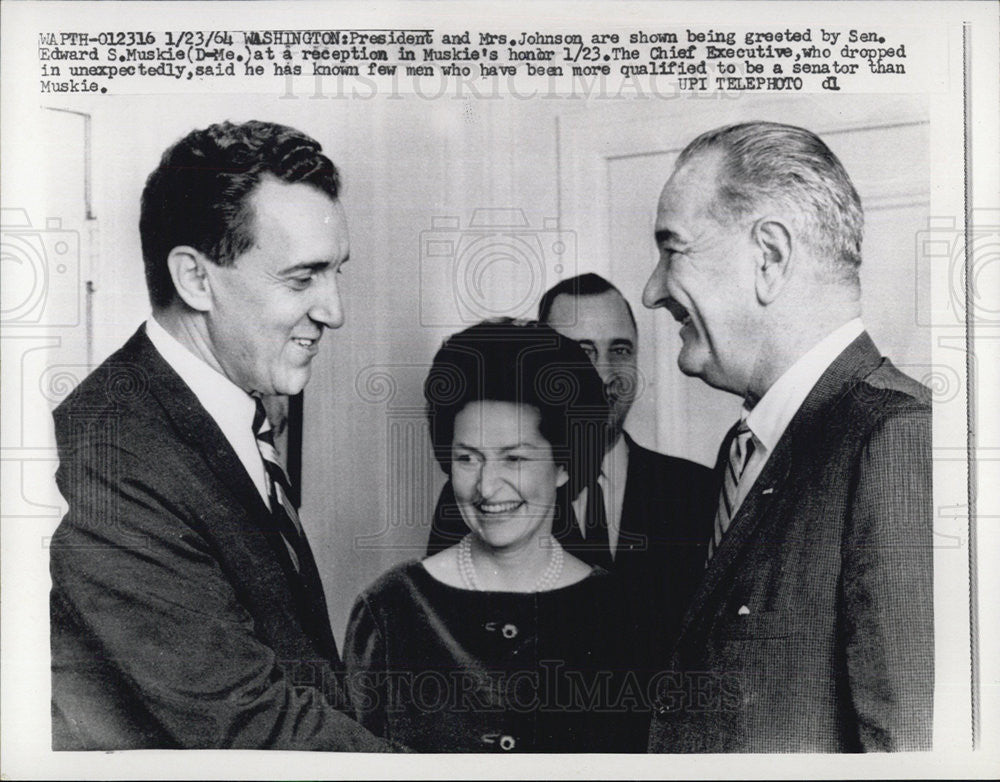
529,635
505,480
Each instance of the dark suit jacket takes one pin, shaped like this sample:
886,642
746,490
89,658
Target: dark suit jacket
177,618
812,629
665,525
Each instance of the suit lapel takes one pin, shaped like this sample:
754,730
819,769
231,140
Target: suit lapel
754,507
856,361
199,429
254,532
768,486
642,509
634,520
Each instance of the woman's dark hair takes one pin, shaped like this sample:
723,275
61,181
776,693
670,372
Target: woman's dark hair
525,363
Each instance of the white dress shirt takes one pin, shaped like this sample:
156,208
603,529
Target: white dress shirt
771,415
614,472
230,406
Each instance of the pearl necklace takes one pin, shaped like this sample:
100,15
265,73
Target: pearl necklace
547,581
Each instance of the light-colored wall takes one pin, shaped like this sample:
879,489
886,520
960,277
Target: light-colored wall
425,185
415,173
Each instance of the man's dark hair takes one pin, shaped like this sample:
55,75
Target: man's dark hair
199,195
525,363
582,285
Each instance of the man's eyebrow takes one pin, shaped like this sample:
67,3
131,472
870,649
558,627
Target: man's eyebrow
313,266
306,266
622,341
513,447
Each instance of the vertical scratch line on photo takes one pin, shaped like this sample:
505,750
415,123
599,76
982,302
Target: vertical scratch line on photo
559,182
970,397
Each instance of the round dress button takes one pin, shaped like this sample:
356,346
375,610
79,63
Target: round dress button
509,631
507,743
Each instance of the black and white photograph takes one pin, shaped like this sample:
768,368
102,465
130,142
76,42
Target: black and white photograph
603,388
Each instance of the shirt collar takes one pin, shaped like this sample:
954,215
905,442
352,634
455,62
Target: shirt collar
772,414
230,406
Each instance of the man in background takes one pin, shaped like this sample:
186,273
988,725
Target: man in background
646,518
812,629
186,609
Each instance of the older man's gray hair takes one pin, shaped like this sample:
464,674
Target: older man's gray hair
767,164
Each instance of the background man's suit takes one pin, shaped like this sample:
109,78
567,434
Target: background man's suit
665,525
178,619
814,620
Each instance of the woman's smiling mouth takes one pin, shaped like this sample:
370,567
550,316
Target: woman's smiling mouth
499,507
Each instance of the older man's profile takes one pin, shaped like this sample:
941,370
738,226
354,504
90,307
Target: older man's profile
814,617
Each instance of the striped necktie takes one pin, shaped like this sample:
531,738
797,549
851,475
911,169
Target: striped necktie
278,486
740,450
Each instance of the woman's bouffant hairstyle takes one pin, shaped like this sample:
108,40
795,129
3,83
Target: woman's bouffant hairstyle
524,363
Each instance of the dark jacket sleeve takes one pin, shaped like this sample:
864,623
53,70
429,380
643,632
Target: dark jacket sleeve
140,605
887,596
367,675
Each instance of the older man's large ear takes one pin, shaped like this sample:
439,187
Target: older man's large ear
188,270
775,257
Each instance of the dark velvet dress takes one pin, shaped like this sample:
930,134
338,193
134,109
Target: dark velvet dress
443,669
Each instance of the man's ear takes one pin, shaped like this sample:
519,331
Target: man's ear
188,270
561,476
774,244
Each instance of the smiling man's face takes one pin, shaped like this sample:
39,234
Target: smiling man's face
271,306
704,277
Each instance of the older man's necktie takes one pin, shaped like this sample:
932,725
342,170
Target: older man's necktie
282,510
740,450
